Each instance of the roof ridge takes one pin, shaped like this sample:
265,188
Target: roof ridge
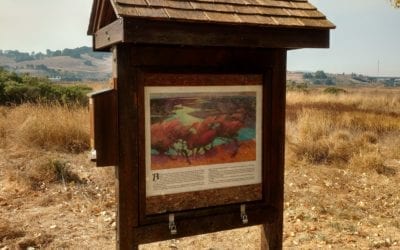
288,14
253,3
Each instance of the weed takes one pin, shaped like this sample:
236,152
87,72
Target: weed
369,137
368,160
7,231
386,170
396,224
60,172
52,171
345,130
313,125
316,152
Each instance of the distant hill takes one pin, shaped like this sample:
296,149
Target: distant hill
79,64
322,78
83,64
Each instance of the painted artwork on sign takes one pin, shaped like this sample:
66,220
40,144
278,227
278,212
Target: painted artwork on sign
202,137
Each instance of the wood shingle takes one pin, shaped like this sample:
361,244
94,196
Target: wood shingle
278,13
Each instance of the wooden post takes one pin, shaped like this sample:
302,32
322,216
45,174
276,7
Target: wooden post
273,231
127,169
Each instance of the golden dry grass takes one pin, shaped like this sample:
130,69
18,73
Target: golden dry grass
342,169
346,130
49,190
54,127
95,86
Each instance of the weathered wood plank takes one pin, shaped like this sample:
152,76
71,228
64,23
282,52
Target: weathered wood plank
275,192
157,32
106,15
103,126
127,187
109,35
201,225
191,79
188,59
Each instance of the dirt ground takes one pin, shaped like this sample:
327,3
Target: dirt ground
55,215
341,188
325,207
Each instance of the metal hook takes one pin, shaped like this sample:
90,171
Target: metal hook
172,225
243,214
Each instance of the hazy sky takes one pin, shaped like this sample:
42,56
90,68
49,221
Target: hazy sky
37,25
367,31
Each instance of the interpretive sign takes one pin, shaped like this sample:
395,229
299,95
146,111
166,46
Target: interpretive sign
195,118
202,138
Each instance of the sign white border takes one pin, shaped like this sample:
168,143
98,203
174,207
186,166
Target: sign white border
213,176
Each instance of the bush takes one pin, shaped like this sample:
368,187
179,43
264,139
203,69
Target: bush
15,89
315,152
51,171
59,171
294,86
330,81
334,91
308,76
88,63
320,75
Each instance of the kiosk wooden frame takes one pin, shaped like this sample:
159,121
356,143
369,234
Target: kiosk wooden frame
188,38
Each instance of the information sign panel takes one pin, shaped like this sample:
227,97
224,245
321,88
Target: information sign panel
203,141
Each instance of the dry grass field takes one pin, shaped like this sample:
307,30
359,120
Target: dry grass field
343,169
341,183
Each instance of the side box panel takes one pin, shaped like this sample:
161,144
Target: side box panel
103,127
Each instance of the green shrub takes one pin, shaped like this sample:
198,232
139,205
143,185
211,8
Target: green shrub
294,86
18,89
334,91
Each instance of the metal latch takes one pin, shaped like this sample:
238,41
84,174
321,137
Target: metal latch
243,214
172,225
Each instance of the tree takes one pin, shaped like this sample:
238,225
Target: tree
317,82
329,81
57,53
320,75
307,76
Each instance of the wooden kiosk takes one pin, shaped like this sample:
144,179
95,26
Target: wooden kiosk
195,118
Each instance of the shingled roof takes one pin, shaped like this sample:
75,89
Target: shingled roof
243,23
281,13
